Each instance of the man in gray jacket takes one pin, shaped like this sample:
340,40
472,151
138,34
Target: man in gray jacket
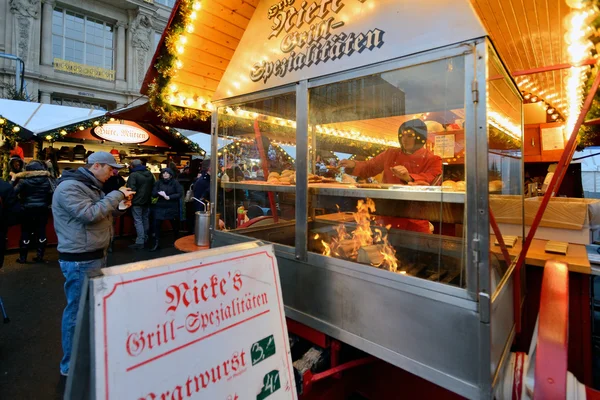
83,224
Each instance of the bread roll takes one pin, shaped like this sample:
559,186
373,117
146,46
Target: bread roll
287,172
449,185
460,186
496,186
273,175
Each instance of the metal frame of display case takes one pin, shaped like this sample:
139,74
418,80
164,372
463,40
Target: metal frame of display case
456,338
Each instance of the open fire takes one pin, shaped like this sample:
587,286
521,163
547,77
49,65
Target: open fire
366,244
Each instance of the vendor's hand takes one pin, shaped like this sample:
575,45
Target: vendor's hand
162,193
347,163
221,224
12,175
128,193
401,172
166,197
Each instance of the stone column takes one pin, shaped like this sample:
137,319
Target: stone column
45,97
47,8
120,61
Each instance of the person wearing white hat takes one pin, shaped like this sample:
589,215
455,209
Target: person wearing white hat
83,217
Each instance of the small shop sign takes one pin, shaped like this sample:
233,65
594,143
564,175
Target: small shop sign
121,133
207,325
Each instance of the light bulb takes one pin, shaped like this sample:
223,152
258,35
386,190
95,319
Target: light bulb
550,110
527,96
182,39
81,128
554,116
48,137
179,49
189,101
189,28
96,123
63,132
16,129
193,15
577,4
534,99
197,5
178,64
2,121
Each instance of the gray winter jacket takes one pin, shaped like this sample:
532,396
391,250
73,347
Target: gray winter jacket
83,216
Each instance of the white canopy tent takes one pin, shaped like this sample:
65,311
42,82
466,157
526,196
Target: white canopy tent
38,117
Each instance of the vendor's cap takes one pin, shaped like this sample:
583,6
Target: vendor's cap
102,157
416,125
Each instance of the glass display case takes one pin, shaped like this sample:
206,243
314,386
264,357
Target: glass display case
375,185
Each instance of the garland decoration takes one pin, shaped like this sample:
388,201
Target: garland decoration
167,65
589,135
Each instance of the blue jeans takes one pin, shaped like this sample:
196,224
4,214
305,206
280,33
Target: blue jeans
74,272
141,221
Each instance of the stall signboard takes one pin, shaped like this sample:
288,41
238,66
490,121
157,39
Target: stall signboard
207,325
121,133
290,40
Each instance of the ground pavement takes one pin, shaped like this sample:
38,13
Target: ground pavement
30,346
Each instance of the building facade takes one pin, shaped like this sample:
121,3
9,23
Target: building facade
82,53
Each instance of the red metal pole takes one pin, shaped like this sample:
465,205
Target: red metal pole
500,239
565,160
548,68
265,168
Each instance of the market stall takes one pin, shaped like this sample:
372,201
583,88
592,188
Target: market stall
408,265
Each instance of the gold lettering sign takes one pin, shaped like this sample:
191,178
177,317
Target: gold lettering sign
121,133
85,70
310,38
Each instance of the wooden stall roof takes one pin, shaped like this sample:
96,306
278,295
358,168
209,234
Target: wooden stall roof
528,35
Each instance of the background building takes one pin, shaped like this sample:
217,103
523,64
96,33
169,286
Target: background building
82,53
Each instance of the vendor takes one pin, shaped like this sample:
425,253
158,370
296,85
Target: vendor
411,163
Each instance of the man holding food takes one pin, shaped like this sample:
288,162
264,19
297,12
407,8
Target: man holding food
412,163
83,217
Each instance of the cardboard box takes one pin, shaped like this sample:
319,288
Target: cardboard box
565,219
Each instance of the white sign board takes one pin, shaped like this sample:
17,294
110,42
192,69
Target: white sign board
210,327
290,40
121,133
444,146
553,138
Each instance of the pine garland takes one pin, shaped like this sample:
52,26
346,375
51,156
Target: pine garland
166,70
10,131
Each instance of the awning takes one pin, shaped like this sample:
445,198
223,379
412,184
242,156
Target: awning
38,117
143,113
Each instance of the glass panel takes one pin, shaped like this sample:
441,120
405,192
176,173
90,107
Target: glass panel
57,45
74,25
108,60
57,22
256,192
505,172
387,171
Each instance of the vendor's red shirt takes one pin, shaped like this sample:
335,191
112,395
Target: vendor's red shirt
17,151
422,165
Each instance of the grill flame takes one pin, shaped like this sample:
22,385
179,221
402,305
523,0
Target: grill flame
346,245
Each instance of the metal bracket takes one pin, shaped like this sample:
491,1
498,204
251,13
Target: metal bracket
476,243
475,91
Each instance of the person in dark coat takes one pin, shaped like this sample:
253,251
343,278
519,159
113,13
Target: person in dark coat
141,181
10,209
202,185
34,189
114,182
169,193
15,165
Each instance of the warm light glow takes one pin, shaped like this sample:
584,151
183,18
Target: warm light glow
182,39
189,101
186,141
177,133
63,132
189,28
173,87
504,124
112,120
178,64
197,5
48,137
16,129
2,121
96,123
81,128
193,15
179,49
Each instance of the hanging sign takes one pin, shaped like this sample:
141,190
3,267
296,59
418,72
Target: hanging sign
121,133
207,325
